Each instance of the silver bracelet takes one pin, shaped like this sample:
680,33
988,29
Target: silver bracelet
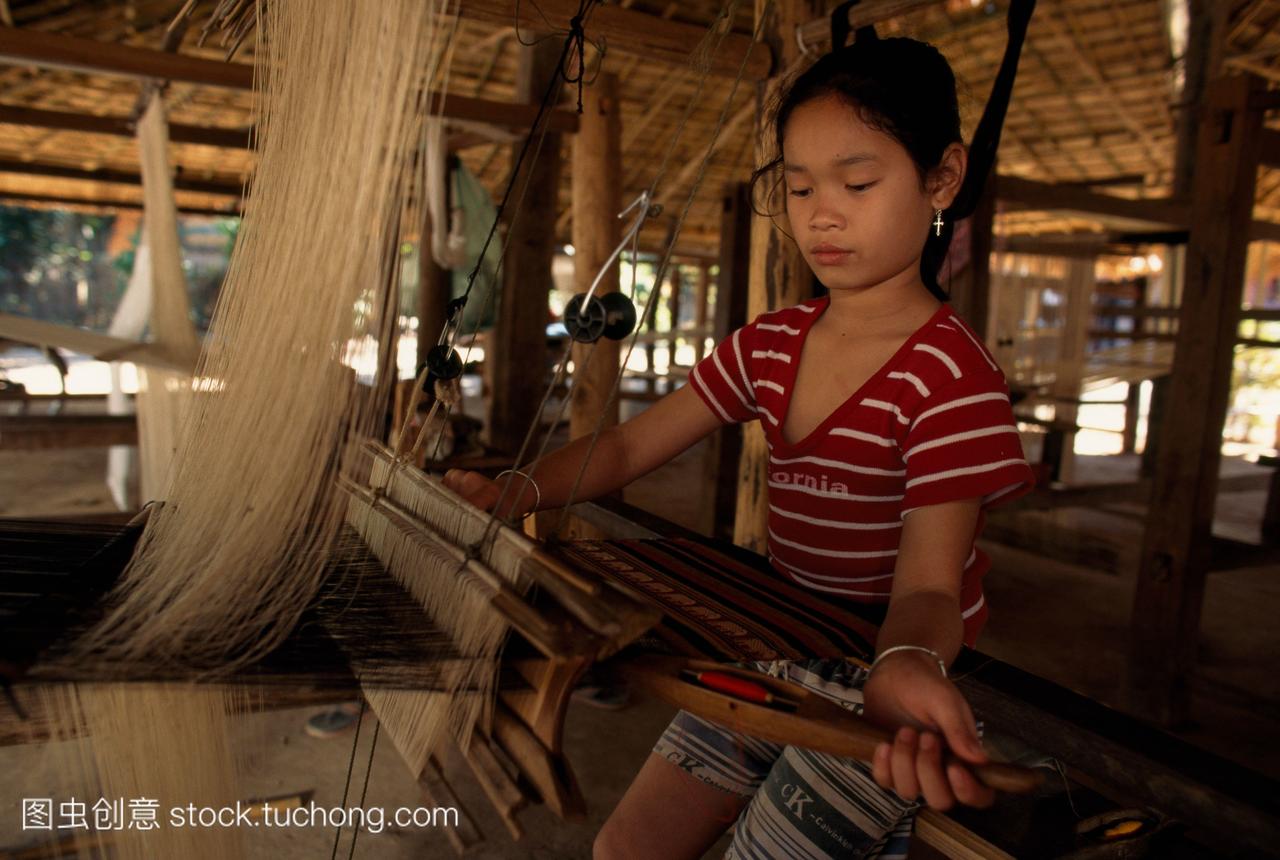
537,492
885,653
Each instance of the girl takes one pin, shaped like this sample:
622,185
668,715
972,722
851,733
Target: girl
889,430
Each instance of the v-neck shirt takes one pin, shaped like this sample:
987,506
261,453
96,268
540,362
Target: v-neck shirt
932,425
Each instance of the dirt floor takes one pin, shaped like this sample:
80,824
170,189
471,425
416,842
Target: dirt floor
1063,622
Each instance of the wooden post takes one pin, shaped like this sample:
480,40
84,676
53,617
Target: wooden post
1071,348
779,276
702,308
1132,405
597,173
673,308
1175,548
519,347
723,459
971,289
651,342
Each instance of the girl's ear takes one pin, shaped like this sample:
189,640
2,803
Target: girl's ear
945,179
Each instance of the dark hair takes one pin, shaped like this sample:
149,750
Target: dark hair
902,87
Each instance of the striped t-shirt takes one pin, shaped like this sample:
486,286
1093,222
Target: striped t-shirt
932,425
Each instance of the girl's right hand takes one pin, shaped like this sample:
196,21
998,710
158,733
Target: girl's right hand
474,487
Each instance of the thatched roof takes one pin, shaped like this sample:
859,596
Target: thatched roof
1093,104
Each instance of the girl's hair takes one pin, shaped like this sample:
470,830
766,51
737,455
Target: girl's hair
902,87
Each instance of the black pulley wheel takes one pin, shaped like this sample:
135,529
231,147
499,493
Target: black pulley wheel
444,362
620,315
585,320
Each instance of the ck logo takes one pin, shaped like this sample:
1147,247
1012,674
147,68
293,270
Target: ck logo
684,762
796,799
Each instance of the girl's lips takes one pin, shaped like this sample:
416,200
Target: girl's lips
831,258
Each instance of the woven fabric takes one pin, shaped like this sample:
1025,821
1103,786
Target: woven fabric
725,603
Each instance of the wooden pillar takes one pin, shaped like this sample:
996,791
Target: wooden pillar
651,341
1175,548
778,277
1200,63
673,308
1071,354
701,310
597,184
724,458
971,293
519,348
1132,406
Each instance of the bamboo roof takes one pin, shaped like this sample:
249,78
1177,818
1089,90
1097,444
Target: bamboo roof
1093,104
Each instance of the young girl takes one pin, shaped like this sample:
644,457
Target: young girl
889,430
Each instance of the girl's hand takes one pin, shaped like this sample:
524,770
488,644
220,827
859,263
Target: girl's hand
474,487
907,693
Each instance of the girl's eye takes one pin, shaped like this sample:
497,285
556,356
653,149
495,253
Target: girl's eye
860,188
798,192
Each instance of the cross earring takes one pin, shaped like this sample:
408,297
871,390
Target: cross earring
937,222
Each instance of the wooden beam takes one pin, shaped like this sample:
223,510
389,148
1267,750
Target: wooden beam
816,32
629,32
109,203
43,432
1029,194
972,244
226,187
121,126
597,199
1175,547
724,458
520,333
50,50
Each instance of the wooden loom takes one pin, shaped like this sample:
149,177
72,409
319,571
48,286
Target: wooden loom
576,619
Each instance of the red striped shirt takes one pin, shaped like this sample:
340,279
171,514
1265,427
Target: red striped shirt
932,425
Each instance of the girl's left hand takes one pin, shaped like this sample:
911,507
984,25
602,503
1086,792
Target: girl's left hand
907,693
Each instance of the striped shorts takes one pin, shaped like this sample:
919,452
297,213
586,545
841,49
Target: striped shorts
803,804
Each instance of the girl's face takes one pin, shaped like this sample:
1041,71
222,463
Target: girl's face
854,199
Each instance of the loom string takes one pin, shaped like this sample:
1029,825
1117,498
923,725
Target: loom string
490,293
346,787
660,273
537,130
704,74
373,746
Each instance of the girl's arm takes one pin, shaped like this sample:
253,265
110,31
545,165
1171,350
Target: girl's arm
621,454
907,691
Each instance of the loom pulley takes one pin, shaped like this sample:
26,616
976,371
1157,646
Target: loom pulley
588,318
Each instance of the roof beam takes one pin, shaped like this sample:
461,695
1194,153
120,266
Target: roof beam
630,32
106,203
1029,194
227,187
121,126
817,33
49,50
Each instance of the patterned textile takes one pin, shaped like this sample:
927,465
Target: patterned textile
726,603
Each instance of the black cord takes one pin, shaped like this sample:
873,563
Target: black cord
547,96
364,791
337,836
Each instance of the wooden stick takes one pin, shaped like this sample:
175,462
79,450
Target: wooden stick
815,723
